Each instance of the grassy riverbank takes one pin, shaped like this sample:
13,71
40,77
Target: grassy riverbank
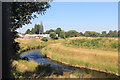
29,44
94,53
86,52
23,70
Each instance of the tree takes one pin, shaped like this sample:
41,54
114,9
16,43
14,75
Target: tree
81,34
115,33
112,33
104,34
16,14
91,34
58,31
62,34
53,35
33,31
48,31
41,28
71,33
28,31
36,29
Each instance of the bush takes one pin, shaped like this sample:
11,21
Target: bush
53,35
44,39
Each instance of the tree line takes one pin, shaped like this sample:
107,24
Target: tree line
38,29
72,33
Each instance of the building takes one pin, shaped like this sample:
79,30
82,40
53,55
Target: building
35,36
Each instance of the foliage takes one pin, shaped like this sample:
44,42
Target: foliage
21,13
28,31
91,34
30,44
71,33
62,34
53,35
48,31
58,31
112,33
104,34
44,39
38,29
24,69
81,34
97,43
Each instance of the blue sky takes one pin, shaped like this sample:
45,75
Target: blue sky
79,16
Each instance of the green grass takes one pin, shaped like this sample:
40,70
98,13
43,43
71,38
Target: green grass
96,53
93,43
97,59
23,70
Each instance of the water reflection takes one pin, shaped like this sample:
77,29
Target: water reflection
39,58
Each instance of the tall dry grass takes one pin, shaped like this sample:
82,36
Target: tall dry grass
91,58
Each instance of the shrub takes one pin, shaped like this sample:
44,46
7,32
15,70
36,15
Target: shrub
44,39
53,35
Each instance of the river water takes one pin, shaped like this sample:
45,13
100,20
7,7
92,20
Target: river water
39,58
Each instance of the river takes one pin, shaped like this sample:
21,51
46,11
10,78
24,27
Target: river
36,56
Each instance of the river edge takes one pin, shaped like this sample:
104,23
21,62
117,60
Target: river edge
68,64
78,66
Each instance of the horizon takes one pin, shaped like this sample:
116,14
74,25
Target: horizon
79,16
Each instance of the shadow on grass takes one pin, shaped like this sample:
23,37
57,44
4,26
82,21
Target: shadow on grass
41,71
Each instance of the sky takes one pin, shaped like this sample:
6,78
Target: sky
79,16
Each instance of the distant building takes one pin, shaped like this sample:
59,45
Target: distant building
35,36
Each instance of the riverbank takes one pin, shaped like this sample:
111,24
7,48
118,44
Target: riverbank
95,59
104,61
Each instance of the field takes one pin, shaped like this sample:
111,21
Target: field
86,52
95,53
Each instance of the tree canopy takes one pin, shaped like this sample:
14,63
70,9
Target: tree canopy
17,14
22,12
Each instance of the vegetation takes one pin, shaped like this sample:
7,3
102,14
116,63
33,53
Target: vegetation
94,59
24,69
53,35
60,50
94,53
25,12
58,31
62,34
32,70
71,33
49,31
110,44
28,31
38,29
44,39
27,44
91,34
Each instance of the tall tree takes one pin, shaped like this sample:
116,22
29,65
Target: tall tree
112,33
62,34
104,34
58,31
16,14
41,28
28,31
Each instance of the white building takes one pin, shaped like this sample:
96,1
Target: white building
36,36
